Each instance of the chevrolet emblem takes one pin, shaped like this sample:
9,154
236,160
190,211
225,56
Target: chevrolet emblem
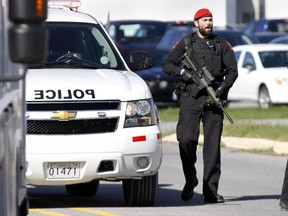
63,115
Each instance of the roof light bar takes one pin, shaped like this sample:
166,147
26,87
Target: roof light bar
67,3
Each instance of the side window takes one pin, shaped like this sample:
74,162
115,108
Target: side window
249,60
274,59
107,56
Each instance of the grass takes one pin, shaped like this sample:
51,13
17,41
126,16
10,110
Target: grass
278,132
243,127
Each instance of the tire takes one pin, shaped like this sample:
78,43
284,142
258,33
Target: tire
141,192
83,189
264,101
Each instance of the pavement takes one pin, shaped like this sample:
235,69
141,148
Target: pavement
278,147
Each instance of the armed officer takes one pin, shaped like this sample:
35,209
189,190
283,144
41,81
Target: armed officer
217,55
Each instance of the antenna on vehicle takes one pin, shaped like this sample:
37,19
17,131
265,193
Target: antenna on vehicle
108,21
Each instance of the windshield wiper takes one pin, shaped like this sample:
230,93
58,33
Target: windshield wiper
75,61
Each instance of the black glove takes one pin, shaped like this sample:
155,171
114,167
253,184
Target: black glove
186,76
218,92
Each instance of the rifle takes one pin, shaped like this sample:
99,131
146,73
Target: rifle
203,79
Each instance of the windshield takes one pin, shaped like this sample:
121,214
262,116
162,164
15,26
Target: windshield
146,31
274,58
80,45
172,36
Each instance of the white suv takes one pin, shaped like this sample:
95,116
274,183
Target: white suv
89,117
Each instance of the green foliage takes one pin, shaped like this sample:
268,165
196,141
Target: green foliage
277,112
276,132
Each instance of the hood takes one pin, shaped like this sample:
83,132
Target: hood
84,84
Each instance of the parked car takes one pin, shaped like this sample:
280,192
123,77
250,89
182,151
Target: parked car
132,35
162,85
266,30
234,37
266,25
263,74
266,37
280,40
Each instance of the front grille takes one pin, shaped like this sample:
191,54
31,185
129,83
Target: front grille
72,126
79,105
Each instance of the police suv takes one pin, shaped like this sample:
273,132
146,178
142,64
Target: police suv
88,116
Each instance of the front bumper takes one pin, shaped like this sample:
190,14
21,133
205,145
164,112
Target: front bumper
108,156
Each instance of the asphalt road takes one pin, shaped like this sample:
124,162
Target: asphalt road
250,184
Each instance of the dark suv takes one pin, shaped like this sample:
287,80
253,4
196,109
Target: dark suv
132,35
144,35
267,25
266,30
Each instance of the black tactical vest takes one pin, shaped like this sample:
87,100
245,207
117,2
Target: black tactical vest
206,52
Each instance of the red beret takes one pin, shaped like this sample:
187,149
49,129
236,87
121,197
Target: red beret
204,12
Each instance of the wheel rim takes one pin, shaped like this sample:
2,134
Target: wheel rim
264,99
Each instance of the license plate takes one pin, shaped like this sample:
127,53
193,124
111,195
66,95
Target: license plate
63,170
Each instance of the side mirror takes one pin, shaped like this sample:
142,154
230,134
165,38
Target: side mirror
28,38
140,60
28,43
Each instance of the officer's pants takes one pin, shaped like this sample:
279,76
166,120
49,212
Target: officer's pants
190,115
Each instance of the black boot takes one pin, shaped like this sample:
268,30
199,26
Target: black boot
188,191
214,199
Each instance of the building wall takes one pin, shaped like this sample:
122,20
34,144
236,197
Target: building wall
276,9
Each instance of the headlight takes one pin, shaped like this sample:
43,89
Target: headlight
140,113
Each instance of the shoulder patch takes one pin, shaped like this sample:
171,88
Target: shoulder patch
229,45
175,45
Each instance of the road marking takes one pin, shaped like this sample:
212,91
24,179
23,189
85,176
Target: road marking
45,212
97,212
51,213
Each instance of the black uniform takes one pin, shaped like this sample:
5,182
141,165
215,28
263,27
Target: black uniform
219,57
